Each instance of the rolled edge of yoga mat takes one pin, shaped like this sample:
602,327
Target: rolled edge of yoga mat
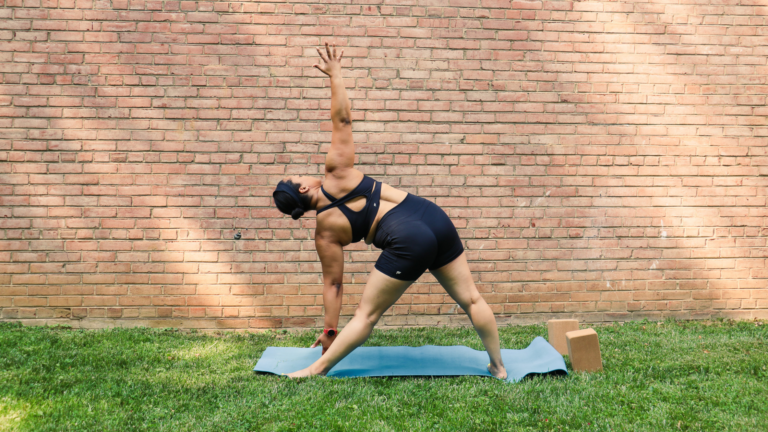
537,359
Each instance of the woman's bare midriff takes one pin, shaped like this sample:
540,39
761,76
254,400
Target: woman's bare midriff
390,197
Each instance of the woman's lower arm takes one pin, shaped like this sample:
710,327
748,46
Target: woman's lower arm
340,106
332,295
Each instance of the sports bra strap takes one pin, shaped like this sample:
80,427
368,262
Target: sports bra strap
327,195
360,221
363,188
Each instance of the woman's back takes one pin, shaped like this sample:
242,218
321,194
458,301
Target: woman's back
374,203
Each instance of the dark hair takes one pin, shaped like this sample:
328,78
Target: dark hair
286,202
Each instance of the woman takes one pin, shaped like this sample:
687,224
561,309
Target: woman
414,234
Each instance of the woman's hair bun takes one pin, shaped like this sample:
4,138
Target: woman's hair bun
297,213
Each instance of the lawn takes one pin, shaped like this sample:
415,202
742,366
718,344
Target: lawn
665,376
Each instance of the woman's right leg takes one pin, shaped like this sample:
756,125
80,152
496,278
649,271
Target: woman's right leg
456,278
379,294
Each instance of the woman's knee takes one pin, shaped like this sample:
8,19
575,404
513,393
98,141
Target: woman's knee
476,298
370,316
472,299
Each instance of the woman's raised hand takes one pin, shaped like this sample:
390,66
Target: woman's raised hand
332,66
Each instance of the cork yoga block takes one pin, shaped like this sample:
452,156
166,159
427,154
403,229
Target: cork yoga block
557,330
584,350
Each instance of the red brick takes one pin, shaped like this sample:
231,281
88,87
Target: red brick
582,180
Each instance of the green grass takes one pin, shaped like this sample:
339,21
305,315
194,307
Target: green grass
665,376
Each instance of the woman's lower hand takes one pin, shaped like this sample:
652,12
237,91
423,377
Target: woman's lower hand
324,340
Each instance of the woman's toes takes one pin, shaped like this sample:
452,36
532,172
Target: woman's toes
499,373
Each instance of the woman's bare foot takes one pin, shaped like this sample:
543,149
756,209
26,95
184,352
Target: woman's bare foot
307,372
498,371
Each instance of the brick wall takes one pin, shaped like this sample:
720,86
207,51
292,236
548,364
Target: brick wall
604,160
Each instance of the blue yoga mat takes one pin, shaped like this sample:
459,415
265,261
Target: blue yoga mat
539,358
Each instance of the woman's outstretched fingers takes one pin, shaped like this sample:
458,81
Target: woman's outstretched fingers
317,342
331,59
321,55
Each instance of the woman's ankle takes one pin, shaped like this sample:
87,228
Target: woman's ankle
318,369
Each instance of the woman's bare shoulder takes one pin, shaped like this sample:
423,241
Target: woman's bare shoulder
341,181
332,227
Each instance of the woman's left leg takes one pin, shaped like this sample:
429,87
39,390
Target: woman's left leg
379,294
456,278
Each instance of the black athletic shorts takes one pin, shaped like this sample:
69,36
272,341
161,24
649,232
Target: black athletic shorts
414,236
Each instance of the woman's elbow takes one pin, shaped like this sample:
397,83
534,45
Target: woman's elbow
343,120
335,288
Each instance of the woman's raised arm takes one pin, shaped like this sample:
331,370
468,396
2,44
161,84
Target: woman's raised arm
341,156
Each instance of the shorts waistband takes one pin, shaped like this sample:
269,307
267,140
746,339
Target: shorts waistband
409,208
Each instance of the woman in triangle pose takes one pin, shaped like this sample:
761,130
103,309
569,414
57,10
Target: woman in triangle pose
413,233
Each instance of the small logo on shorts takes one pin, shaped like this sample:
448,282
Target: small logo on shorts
397,272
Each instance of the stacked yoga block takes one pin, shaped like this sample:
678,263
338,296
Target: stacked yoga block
582,346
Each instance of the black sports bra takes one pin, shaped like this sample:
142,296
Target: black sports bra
362,220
